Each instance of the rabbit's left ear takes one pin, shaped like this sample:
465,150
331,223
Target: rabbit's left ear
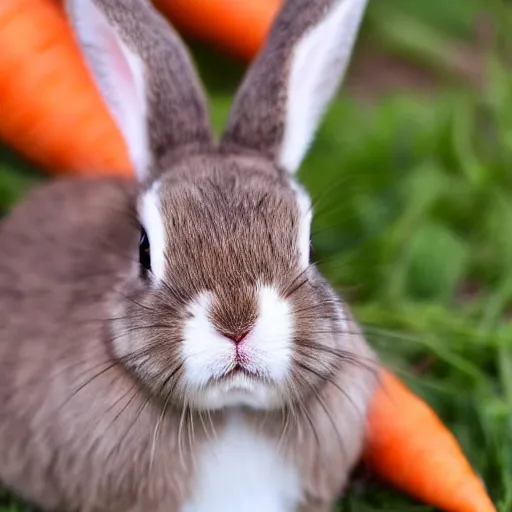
293,79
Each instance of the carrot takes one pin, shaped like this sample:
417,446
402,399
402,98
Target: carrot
237,26
409,447
50,109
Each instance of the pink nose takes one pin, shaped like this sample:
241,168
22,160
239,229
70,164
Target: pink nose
237,339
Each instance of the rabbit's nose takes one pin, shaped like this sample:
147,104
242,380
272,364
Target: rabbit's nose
236,338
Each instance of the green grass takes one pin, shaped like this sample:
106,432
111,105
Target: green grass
414,226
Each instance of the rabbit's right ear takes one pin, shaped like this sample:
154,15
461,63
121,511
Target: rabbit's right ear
145,76
293,79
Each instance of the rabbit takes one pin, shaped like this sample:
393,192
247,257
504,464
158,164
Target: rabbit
166,343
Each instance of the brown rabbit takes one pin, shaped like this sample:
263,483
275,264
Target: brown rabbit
167,345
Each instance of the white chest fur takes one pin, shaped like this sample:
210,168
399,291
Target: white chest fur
242,472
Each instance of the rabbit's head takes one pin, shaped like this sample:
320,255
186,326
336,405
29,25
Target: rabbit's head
223,306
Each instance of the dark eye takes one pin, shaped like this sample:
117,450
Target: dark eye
144,252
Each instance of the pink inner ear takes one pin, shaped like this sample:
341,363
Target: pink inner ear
120,65
119,77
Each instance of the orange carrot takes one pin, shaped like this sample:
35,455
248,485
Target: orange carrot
50,109
409,447
237,26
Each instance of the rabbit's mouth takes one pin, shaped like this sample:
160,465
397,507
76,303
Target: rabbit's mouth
239,373
240,387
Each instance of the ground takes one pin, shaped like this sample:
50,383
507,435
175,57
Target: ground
412,176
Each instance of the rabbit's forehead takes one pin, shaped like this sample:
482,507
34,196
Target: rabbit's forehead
251,224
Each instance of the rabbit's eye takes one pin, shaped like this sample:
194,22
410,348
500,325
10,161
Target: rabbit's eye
144,252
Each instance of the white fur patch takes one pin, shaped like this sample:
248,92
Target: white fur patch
270,345
119,74
151,218
243,472
206,353
319,62
306,216
267,352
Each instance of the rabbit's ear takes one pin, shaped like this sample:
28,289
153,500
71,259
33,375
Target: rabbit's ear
145,76
286,90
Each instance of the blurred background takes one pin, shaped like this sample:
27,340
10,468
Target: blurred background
411,174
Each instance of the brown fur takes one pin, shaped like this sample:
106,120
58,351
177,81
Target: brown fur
95,416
